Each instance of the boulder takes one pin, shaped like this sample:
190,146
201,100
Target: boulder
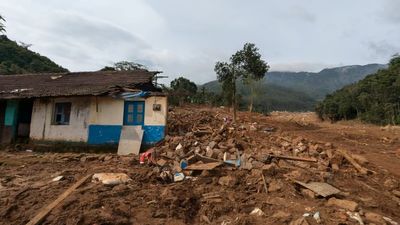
374,218
344,204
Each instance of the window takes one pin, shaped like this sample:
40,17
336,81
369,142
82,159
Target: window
62,111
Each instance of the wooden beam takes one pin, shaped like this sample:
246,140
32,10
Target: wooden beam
353,162
294,158
44,211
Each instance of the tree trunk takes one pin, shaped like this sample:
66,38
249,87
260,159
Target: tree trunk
234,100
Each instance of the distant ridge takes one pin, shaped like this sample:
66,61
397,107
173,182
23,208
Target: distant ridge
299,91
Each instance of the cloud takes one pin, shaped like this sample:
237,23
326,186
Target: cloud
183,37
383,49
391,11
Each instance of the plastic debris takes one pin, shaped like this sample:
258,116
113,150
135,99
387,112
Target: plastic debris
179,177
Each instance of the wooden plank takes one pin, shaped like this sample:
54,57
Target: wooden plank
294,158
353,162
44,211
265,183
203,166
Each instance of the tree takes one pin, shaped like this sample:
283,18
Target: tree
125,66
2,26
183,90
254,68
245,64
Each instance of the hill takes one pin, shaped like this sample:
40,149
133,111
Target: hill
375,99
300,91
16,59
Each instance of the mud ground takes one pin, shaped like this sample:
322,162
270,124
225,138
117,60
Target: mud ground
26,180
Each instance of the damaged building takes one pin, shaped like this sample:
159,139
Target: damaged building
85,107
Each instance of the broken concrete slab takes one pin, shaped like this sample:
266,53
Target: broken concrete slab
322,189
130,140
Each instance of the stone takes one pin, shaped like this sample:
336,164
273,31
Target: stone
257,164
390,183
212,144
344,204
374,218
227,181
270,169
308,193
108,158
301,221
257,212
396,193
281,214
274,186
111,178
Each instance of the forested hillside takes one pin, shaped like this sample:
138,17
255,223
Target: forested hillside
300,91
375,99
16,59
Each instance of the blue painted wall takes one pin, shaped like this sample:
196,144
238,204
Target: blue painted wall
153,134
110,134
104,134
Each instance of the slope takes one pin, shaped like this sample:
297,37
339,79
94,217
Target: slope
16,59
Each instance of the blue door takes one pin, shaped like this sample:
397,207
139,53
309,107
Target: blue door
134,113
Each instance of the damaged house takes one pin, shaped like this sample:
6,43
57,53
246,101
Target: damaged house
88,107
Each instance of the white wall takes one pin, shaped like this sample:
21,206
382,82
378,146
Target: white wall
42,117
156,117
84,112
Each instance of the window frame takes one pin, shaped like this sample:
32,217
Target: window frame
63,113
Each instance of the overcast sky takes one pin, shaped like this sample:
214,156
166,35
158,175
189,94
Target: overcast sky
187,37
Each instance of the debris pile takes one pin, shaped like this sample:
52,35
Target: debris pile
208,170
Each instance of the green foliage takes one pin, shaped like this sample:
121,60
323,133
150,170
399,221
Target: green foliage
125,66
182,91
15,59
245,64
375,99
2,26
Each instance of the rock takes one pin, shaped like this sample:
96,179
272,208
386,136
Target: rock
257,164
301,221
374,218
270,169
344,204
161,162
179,147
396,193
390,184
227,181
308,193
257,212
398,152
328,145
274,185
281,214
111,178
108,158
212,144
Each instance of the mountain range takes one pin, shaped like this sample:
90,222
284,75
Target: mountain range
299,91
